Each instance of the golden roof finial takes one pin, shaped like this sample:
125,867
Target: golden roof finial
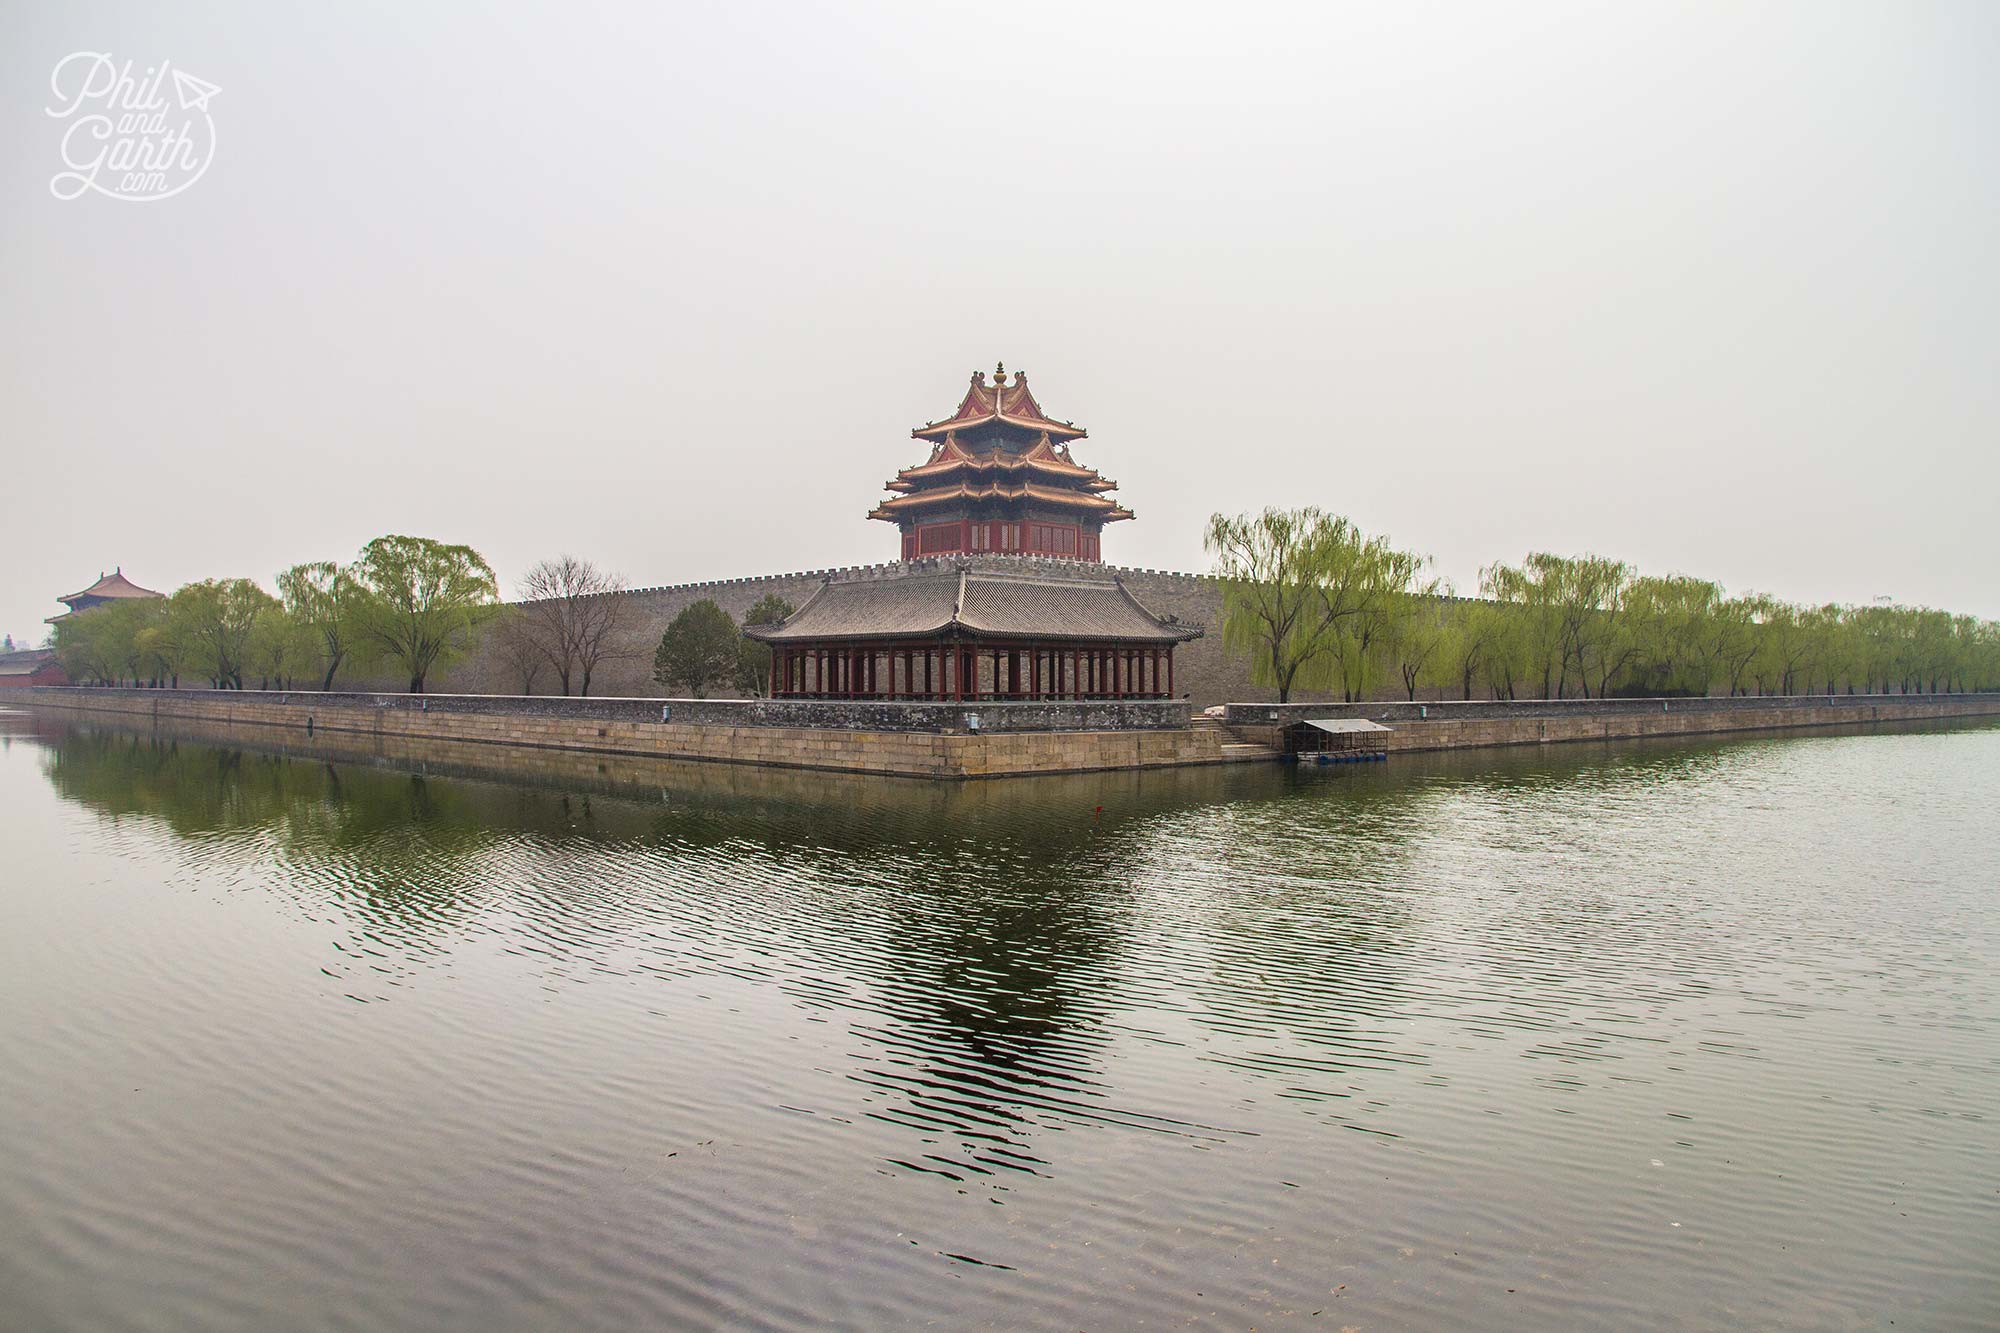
999,373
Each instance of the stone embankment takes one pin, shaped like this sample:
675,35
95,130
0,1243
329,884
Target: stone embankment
941,740
906,739
1463,725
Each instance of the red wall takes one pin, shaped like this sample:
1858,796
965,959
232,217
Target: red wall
52,674
1005,538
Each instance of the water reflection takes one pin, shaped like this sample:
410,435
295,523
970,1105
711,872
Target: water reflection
697,1044
963,932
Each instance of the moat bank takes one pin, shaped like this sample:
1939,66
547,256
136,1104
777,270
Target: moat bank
948,741
945,741
1456,725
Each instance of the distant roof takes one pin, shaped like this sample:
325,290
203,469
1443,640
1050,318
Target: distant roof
25,663
114,584
1344,725
975,602
1007,404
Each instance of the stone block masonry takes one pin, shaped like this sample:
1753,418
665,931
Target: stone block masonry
908,740
1459,725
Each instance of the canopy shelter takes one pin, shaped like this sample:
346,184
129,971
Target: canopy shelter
1334,733
960,629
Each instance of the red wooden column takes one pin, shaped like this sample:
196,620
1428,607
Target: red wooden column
1170,673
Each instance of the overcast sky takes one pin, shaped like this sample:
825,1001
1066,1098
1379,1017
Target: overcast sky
1711,288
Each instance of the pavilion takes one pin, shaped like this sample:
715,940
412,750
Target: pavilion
999,595
110,587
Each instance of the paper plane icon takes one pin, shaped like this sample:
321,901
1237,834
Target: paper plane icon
194,93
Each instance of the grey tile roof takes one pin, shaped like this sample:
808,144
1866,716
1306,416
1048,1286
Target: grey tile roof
978,603
25,662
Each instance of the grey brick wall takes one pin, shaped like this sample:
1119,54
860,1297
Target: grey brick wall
1203,669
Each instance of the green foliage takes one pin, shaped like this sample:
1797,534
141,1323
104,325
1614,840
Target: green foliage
768,610
753,659
281,649
213,623
699,649
323,599
1420,635
1318,605
116,642
423,601
1305,594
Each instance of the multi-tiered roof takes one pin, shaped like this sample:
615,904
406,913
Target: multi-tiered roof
1000,593
110,587
999,455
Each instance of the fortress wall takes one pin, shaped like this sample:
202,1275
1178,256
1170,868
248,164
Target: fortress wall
1203,670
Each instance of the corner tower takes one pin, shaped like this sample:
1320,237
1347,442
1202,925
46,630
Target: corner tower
1000,478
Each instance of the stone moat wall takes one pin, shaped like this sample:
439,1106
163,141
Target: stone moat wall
1455,725
936,740
910,740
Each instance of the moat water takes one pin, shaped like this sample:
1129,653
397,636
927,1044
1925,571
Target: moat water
1647,1035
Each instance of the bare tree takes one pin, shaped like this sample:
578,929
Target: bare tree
519,649
571,611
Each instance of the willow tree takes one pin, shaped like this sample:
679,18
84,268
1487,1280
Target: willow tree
324,600
1296,583
215,622
424,601
1420,636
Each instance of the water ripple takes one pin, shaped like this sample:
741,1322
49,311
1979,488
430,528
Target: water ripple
1664,1034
